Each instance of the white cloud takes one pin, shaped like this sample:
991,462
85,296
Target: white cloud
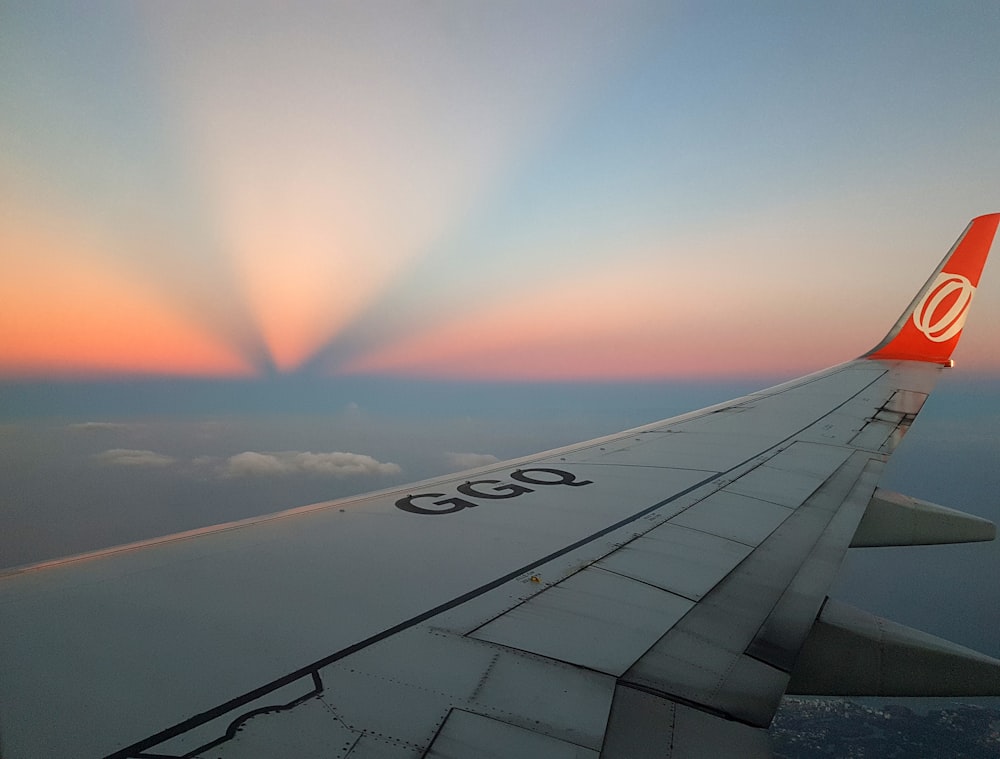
334,464
469,460
133,457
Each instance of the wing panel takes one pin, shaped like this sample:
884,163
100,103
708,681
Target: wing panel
781,636
703,658
374,747
401,688
646,726
906,402
725,437
466,735
569,703
791,476
677,559
734,517
253,586
309,731
595,618
873,435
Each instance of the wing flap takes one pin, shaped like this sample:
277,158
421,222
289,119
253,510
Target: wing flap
709,658
684,561
467,735
780,637
594,618
645,725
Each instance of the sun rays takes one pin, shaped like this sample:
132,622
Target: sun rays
391,189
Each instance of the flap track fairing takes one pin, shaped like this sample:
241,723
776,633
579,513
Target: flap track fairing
850,652
894,519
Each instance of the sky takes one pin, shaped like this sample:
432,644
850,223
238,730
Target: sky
255,256
515,191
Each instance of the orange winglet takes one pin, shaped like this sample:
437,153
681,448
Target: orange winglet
930,327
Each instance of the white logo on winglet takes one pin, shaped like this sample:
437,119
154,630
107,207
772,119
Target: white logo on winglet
939,327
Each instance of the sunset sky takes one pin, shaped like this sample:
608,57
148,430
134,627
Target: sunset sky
256,255
504,191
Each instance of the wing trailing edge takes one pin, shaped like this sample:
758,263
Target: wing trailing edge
850,652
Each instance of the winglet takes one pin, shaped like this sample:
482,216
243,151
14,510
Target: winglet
930,327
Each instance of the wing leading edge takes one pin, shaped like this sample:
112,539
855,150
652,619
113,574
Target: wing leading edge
650,593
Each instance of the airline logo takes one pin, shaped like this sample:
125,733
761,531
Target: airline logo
941,314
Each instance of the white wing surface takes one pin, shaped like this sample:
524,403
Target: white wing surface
651,593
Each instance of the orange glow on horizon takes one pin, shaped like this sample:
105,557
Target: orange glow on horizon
68,309
612,324
65,311
303,276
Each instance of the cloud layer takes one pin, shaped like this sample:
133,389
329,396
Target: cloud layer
458,461
337,464
98,426
134,457
334,464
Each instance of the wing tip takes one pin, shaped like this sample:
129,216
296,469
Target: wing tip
930,327
993,215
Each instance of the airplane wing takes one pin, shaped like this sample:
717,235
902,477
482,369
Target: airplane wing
649,593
